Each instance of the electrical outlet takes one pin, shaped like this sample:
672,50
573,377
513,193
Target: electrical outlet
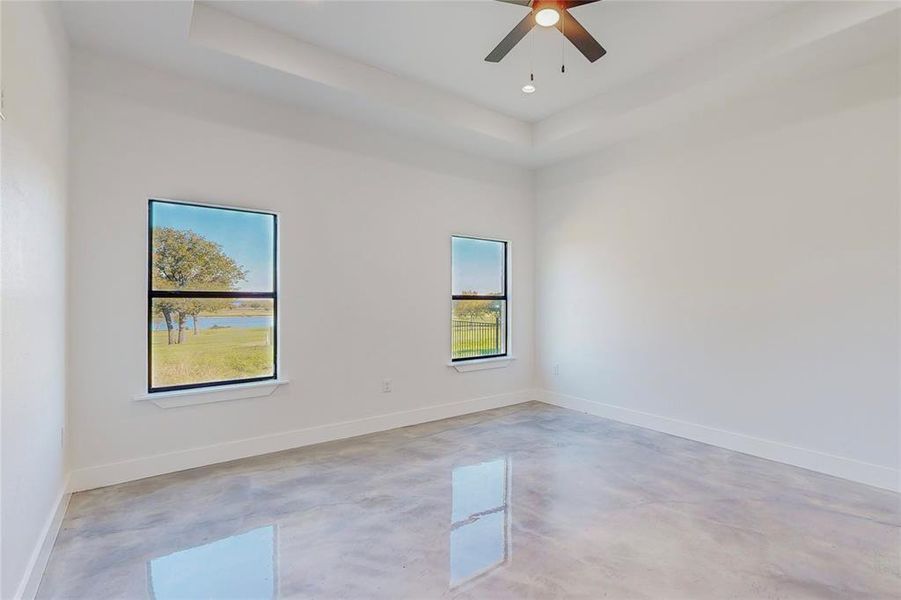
386,386
557,369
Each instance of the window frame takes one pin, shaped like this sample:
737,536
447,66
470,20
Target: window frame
505,297
153,294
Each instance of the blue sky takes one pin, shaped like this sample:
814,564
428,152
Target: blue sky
478,266
245,237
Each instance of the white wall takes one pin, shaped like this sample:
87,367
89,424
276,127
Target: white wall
728,279
33,280
736,280
365,261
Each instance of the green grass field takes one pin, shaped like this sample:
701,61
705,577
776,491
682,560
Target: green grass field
470,348
468,342
212,355
240,353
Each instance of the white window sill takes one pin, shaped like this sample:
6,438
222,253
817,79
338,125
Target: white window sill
219,393
480,364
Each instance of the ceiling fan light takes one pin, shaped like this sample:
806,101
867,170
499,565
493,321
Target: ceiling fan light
547,17
528,88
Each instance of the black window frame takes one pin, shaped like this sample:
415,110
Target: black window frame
504,297
153,294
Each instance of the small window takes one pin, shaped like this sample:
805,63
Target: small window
212,300
479,298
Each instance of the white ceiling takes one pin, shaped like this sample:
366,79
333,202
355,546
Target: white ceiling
417,66
444,43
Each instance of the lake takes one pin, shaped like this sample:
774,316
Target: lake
209,322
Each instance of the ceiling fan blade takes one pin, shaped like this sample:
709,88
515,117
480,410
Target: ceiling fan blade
518,32
567,4
580,37
525,2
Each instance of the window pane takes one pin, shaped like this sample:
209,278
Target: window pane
202,340
199,248
478,267
478,328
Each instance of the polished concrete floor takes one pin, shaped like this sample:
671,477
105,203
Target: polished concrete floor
529,501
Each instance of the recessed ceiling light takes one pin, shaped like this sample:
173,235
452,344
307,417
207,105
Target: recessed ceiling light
528,88
547,17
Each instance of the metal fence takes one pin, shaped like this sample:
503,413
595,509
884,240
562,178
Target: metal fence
476,338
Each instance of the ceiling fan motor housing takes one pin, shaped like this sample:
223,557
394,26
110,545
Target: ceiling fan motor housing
560,18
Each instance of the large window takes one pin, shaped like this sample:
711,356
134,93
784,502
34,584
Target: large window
212,298
479,298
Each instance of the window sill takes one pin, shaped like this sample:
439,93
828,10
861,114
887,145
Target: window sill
222,393
480,364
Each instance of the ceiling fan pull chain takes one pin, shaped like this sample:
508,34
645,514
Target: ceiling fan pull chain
563,45
532,58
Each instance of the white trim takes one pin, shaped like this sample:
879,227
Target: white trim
40,555
838,466
138,468
480,364
207,395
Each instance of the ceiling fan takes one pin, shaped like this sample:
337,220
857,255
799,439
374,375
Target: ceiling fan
548,13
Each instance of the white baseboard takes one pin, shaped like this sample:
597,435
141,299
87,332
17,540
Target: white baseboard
119,472
40,555
838,466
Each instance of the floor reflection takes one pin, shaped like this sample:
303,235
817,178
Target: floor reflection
480,519
240,566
